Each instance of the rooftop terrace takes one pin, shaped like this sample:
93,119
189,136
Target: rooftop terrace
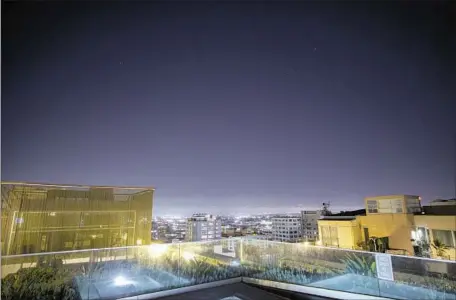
236,268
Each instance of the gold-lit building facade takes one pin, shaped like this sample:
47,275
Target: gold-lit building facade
399,218
46,218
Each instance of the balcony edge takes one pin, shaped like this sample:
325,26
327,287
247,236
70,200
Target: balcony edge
182,290
326,293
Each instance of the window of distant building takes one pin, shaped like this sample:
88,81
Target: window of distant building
389,206
413,205
372,206
444,236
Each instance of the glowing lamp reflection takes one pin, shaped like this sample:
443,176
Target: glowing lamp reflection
121,281
156,250
188,255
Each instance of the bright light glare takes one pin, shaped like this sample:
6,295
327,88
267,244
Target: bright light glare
419,234
306,243
235,263
156,250
318,243
120,281
188,255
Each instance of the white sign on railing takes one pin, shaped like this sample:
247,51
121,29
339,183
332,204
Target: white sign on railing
231,244
218,249
384,266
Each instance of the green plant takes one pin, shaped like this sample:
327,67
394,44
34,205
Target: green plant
38,283
288,275
92,270
431,287
440,248
362,246
198,270
360,264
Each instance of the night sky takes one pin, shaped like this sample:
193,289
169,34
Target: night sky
232,107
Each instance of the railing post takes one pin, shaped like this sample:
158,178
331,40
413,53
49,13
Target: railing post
179,264
241,250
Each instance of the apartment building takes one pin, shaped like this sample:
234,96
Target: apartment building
286,228
309,224
203,227
48,217
394,224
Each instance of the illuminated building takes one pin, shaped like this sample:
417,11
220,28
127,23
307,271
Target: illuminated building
393,224
45,217
203,227
286,228
309,221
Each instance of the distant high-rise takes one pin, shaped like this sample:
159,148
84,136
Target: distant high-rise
286,228
309,221
203,227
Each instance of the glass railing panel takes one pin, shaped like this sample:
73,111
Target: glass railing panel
210,261
124,272
261,259
348,271
420,278
42,275
160,264
129,271
344,270
109,273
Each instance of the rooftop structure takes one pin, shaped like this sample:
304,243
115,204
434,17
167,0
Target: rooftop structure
441,207
393,224
442,202
49,217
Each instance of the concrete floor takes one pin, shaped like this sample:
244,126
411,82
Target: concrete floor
242,291
239,290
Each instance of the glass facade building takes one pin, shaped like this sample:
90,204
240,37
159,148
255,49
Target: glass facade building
47,218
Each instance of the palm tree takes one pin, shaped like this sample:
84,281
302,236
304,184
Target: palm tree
440,248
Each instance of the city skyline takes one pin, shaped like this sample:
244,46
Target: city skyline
231,106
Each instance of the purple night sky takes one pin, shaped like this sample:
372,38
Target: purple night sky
232,107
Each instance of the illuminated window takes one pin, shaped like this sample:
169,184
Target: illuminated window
413,205
444,236
372,206
389,206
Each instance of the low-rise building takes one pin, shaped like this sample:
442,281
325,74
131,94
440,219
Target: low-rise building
441,207
394,224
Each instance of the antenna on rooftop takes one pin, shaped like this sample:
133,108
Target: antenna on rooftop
325,209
